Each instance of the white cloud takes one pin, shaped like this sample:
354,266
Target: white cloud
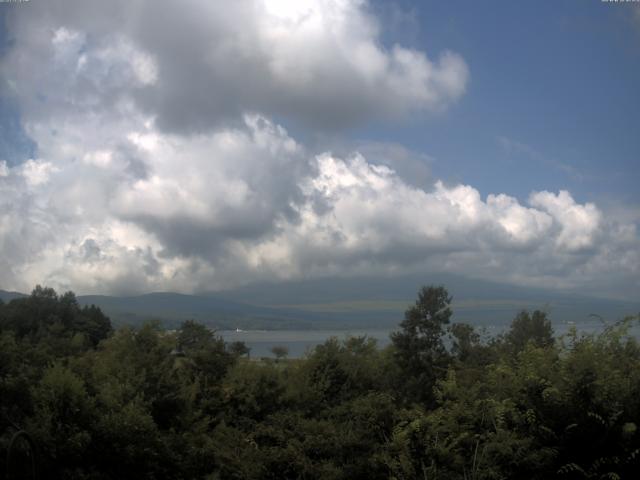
37,172
523,225
317,61
155,173
249,203
579,224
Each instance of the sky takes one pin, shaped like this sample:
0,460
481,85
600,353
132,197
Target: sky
196,145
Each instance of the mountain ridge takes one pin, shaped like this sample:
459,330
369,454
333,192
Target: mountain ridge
356,302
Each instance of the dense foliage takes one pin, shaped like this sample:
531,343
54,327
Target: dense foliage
439,402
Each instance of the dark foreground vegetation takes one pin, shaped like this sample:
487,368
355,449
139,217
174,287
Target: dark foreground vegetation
146,403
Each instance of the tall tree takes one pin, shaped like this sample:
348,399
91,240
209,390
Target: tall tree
418,346
535,328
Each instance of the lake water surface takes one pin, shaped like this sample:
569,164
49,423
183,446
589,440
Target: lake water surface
300,342
297,341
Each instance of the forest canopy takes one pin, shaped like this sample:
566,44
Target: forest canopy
85,401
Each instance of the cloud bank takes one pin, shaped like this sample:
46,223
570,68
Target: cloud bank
195,65
161,166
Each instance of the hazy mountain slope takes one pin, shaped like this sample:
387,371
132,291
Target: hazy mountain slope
173,308
384,299
350,303
8,296
402,288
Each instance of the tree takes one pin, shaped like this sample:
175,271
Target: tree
205,350
93,323
238,348
280,351
61,421
57,320
465,338
419,349
534,328
194,336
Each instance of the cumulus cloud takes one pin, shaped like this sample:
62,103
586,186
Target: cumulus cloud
233,183
579,224
160,165
413,167
374,217
249,203
317,61
186,201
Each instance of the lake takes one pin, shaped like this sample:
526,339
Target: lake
300,341
297,341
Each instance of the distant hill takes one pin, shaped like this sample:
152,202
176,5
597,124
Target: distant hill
8,296
173,308
384,299
350,303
